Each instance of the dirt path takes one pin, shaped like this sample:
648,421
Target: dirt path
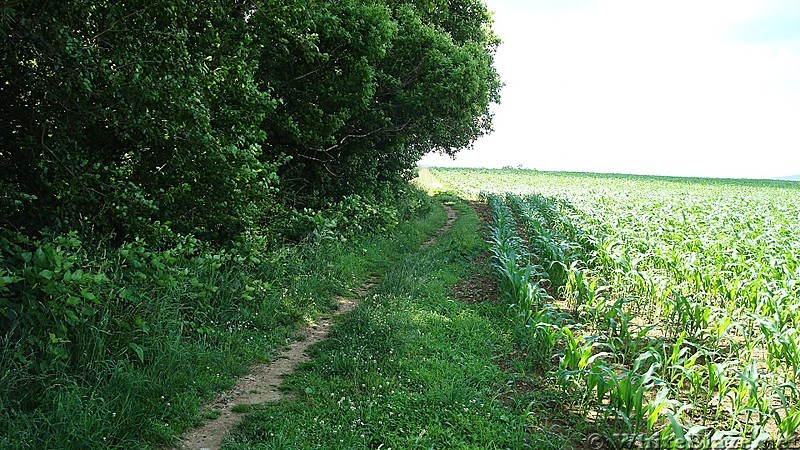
262,384
451,217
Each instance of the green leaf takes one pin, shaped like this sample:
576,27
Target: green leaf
71,317
8,280
677,428
138,349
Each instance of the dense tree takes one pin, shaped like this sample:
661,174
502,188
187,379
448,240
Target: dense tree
117,115
122,118
366,88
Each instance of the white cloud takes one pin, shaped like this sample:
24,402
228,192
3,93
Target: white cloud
642,87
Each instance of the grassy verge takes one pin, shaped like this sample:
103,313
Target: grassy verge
162,345
413,367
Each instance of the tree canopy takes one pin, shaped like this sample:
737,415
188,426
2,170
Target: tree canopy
206,117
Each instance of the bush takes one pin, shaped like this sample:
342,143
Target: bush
50,290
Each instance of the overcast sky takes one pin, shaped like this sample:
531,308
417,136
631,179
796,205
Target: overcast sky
667,87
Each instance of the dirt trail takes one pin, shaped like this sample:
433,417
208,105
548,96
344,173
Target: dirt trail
451,217
262,384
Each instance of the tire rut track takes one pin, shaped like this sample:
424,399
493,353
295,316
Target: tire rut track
263,382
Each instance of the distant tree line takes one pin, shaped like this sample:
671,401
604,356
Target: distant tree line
125,119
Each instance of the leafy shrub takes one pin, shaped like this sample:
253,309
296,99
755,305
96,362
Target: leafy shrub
351,215
357,215
49,291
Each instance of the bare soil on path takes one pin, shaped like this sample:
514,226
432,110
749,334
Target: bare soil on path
451,217
263,382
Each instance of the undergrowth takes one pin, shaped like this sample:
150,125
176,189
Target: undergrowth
413,367
120,347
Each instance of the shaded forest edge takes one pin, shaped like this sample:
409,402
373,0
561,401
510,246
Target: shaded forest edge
182,183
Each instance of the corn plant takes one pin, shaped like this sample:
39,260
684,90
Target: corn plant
627,395
650,264
518,280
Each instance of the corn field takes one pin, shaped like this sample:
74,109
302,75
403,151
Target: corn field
671,305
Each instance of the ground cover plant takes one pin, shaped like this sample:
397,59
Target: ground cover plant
670,303
135,371
412,367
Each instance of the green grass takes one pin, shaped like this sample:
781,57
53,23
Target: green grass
139,376
242,408
412,367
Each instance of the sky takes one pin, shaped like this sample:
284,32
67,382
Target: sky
681,87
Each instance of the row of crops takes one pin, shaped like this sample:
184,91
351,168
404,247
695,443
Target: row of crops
671,305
